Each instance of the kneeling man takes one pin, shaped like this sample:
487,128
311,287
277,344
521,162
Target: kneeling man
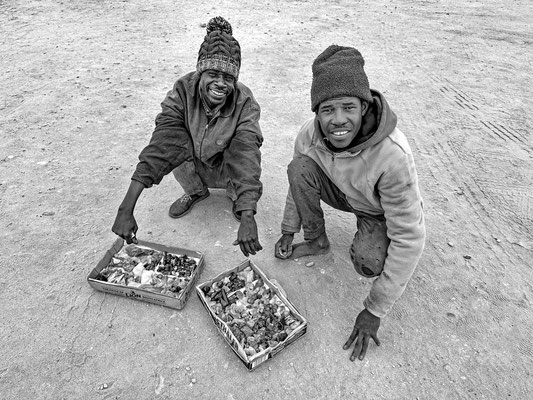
352,156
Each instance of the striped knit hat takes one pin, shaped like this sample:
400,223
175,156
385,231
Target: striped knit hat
220,50
337,72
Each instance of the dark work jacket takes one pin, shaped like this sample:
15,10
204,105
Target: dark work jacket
183,132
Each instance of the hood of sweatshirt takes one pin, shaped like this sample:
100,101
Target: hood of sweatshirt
378,123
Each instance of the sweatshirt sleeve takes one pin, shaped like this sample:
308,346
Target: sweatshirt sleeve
291,219
170,144
292,222
243,158
403,209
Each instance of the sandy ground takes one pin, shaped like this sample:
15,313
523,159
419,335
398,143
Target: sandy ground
80,87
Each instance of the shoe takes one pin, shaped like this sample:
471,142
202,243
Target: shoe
184,204
235,214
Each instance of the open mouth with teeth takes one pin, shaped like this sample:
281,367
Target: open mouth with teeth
340,133
217,93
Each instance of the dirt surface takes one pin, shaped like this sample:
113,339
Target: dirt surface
80,87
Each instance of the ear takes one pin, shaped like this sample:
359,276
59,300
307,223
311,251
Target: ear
364,107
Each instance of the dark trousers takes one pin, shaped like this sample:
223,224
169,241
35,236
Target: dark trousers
196,177
309,185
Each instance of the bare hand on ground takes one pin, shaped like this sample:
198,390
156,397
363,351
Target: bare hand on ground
125,226
283,247
366,327
247,237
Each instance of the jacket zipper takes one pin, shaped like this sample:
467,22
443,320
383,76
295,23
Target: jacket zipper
203,137
215,116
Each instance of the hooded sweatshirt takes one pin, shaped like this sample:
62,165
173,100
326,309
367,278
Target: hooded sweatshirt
378,177
183,131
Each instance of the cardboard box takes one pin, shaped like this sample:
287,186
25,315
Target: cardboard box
142,294
252,362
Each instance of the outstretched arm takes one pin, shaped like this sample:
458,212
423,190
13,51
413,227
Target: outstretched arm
125,225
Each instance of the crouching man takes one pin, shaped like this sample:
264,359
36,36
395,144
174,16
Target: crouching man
352,156
208,135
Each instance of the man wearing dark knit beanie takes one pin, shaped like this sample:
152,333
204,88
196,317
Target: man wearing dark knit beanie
352,156
208,135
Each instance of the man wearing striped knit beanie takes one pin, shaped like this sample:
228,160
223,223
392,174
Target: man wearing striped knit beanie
208,135
352,156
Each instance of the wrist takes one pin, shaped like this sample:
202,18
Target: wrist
370,313
247,214
125,209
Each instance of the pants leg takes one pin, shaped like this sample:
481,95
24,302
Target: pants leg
370,244
196,177
309,185
189,178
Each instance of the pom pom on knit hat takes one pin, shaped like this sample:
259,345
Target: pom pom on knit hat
338,71
220,50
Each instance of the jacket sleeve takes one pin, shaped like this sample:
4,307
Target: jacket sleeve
292,222
243,158
291,219
403,209
170,144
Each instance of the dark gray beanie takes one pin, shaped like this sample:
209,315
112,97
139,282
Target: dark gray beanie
338,71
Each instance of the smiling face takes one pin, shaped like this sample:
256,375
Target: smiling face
340,119
216,86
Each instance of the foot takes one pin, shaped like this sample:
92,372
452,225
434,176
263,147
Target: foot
184,204
314,247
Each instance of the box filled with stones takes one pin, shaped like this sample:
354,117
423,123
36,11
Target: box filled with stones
149,272
252,313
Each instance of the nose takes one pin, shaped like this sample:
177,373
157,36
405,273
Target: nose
339,117
220,80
